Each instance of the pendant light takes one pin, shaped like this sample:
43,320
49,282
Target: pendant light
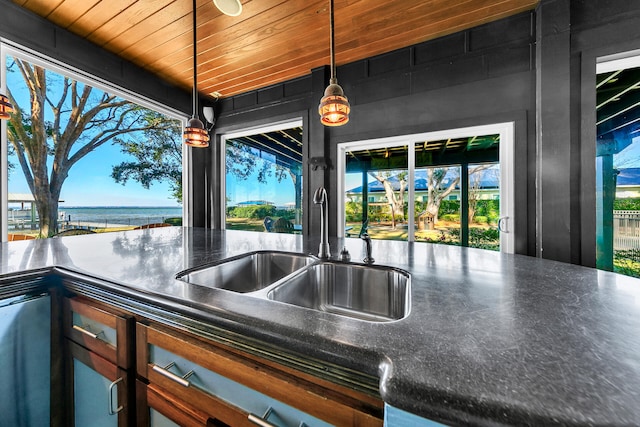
195,135
334,107
5,107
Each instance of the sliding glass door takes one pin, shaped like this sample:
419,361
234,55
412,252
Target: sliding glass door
450,187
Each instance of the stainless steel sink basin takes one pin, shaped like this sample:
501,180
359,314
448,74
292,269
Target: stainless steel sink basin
373,293
248,272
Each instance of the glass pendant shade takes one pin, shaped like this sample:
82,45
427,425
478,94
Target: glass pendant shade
5,107
195,135
334,107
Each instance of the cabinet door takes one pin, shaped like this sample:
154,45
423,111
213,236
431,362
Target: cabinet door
25,358
98,390
394,417
102,330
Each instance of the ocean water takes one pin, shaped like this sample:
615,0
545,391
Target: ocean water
125,215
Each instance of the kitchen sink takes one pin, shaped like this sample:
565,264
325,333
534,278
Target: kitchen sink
247,272
373,293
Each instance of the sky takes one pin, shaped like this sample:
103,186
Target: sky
89,182
279,193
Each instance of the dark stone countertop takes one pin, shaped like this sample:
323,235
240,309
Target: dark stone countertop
491,338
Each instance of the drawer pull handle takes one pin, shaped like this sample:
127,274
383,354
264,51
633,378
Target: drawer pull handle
111,387
262,420
182,380
86,331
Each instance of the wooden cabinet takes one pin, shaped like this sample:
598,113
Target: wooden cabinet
210,384
185,380
99,364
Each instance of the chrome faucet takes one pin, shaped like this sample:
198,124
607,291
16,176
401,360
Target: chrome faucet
368,259
320,198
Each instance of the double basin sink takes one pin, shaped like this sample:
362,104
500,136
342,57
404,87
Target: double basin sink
363,292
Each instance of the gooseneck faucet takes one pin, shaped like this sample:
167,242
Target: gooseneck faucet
368,258
320,198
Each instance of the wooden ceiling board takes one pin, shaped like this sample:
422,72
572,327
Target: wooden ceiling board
97,16
162,41
315,45
179,57
217,47
415,30
132,20
70,11
129,17
276,39
149,23
270,42
44,7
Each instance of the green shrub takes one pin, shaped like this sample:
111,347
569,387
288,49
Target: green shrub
484,238
251,211
626,205
627,262
489,208
449,207
288,214
479,237
174,221
451,217
353,212
479,219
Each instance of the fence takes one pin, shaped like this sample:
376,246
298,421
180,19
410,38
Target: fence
626,230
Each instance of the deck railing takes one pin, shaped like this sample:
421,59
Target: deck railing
626,230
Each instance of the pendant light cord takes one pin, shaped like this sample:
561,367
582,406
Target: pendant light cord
332,48
195,65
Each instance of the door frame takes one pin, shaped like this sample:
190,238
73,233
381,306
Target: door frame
506,131
246,131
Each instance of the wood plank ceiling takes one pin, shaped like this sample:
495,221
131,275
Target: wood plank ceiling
270,42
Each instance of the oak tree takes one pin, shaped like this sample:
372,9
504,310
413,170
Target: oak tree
64,122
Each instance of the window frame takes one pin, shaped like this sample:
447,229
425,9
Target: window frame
271,127
505,157
8,48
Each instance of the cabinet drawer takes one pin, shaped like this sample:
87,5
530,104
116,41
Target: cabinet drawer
101,330
237,386
157,407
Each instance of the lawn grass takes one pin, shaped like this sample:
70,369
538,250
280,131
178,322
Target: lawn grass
246,224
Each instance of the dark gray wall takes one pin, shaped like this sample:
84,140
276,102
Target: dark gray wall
571,35
537,69
481,76
598,28
28,30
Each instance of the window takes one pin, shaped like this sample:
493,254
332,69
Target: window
81,156
451,187
618,164
263,179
